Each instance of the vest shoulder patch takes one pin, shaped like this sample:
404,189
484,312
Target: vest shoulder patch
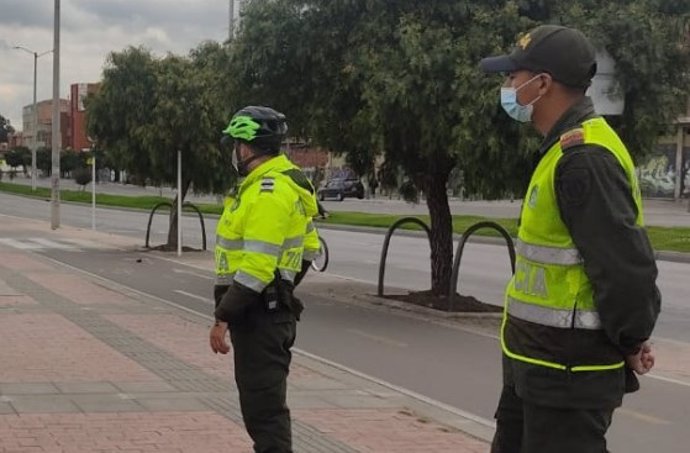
267,184
572,138
299,178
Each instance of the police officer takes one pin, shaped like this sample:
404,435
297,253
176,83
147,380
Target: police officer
259,251
583,301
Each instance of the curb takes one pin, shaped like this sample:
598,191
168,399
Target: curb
426,311
673,257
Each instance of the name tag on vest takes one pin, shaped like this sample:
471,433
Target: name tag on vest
531,279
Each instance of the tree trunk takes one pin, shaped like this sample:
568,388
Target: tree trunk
441,234
172,230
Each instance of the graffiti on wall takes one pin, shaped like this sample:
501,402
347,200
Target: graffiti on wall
658,174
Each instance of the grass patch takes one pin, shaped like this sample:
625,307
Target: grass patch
460,222
674,239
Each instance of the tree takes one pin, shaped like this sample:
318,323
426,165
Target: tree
70,160
149,108
82,176
401,79
5,129
44,160
380,78
17,157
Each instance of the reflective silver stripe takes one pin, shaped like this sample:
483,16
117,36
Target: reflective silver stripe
311,255
262,247
288,275
229,244
548,255
289,243
587,320
249,246
310,227
554,317
250,281
225,279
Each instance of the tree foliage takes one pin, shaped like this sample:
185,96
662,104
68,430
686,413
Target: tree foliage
82,176
376,78
148,108
70,160
44,161
400,79
5,129
18,157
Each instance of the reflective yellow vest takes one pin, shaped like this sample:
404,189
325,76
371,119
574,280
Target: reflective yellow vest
550,286
264,227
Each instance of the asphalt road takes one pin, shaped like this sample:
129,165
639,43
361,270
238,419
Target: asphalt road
484,271
446,363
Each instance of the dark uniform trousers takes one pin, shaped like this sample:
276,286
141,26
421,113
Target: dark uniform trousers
261,348
522,427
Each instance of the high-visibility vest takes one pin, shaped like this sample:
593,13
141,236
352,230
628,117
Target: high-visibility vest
264,228
550,286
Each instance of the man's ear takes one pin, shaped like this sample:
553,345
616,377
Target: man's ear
545,83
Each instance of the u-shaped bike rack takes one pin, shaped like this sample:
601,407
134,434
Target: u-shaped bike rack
170,205
461,247
386,244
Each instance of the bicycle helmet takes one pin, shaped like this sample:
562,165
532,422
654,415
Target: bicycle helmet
261,127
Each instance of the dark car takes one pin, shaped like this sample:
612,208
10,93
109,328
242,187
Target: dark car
341,188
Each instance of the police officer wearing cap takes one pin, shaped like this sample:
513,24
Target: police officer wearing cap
583,301
259,253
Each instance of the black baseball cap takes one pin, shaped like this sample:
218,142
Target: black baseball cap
563,52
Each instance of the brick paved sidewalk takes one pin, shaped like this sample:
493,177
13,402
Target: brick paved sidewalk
89,367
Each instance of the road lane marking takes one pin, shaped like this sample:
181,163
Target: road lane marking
378,338
19,245
668,379
50,244
644,417
193,296
196,274
38,243
82,243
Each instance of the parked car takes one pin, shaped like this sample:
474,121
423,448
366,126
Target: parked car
340,189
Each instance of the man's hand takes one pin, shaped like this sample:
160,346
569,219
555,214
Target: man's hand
217,338
643,361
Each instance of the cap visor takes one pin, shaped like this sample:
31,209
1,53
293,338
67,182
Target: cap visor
498,64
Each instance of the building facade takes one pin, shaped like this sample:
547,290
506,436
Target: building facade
41,134
79,140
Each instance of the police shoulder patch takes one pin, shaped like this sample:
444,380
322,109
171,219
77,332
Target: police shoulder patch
572,138
267,184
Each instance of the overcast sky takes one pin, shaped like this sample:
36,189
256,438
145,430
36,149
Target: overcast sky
91,29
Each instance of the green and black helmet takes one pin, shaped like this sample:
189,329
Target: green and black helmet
261,127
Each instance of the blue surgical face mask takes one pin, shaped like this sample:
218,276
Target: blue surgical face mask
509,102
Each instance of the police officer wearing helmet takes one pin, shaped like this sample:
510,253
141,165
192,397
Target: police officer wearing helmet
583,301
259,252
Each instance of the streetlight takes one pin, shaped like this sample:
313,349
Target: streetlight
35,128
55,175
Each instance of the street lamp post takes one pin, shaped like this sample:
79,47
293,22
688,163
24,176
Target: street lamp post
55,175
34,141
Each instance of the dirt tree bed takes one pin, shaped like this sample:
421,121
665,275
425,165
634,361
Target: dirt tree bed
460,303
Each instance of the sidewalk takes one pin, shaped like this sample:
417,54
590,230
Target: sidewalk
89,366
